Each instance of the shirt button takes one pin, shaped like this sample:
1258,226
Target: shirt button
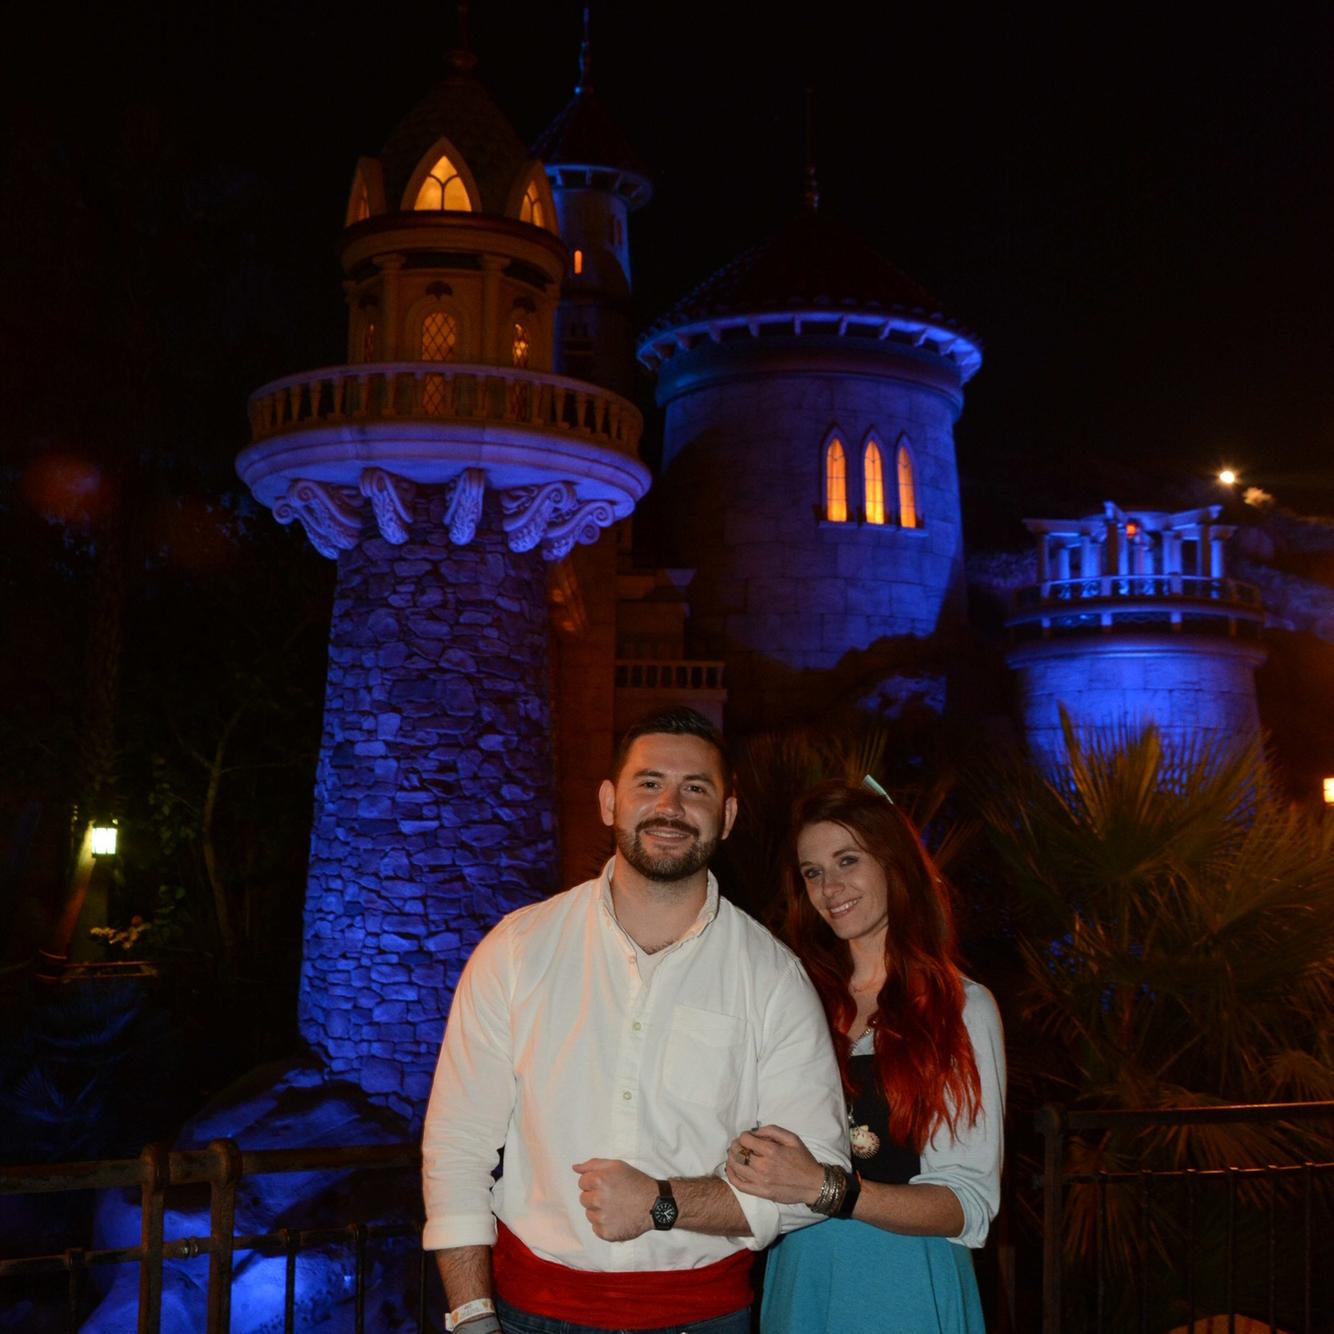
627,1095
638,1025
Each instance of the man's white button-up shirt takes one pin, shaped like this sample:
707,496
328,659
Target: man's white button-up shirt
558,1050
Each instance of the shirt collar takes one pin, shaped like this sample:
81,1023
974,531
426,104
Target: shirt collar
707,912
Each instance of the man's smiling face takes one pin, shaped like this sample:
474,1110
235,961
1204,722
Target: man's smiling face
669,805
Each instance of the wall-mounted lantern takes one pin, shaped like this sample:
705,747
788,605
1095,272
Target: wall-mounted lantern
104,839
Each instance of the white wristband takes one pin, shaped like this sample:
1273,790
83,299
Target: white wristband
482,1306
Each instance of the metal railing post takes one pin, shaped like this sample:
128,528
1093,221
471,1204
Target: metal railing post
1050,1122
156,1167
225,1171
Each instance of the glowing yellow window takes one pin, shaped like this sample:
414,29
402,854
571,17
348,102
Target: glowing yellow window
443,189
907,490
578,261
531,209
440,336
521,344
873,476
835,483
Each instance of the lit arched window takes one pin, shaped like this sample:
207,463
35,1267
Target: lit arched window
522,344
873,478
440,336
578,261
443,188
907,489
835,483
531,209
368,341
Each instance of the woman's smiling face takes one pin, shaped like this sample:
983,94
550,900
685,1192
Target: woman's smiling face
846,885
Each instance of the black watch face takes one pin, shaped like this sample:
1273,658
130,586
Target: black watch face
663,1212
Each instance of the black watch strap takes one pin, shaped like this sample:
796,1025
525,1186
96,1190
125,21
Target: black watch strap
664,1211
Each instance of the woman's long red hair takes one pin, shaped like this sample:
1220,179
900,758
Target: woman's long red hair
922,1052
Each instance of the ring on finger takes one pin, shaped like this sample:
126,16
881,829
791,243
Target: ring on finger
744,1154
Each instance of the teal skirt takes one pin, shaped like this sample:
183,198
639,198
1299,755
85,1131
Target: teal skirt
845,1277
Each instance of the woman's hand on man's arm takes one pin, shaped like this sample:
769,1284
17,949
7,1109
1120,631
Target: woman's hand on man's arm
773,1163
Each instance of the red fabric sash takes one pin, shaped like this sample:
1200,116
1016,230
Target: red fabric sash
627,1299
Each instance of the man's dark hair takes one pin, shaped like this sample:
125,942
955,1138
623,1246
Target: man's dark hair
677,720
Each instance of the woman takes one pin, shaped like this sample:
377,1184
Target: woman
921,1052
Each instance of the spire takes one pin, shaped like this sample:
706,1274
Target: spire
461,58
810,194
585,84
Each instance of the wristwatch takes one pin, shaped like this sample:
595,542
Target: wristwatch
663,1213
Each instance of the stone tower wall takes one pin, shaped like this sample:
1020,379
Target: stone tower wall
783,595
434,808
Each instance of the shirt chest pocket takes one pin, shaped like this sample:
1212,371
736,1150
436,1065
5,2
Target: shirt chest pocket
703,1058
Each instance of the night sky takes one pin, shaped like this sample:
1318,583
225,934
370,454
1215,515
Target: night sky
1136,219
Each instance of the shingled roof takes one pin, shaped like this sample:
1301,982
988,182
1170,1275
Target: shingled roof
811,263
460,108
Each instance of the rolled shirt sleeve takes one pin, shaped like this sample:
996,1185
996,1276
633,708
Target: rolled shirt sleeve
800,1090
471,1101
969,1163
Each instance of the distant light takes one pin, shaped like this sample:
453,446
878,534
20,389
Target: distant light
1132,528
104,840
1228,477
578,261
1329,791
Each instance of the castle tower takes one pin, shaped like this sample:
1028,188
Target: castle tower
1134,620
809,474
596,180
443,467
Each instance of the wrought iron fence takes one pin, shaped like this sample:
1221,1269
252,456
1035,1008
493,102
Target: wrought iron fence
222,1166
1299,1194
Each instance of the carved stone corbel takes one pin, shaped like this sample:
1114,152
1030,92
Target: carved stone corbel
527,510
391,502
583,523
330,514
463,505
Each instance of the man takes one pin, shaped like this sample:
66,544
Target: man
614,1040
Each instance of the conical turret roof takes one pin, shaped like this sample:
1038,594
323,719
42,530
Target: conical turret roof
460,109
811,263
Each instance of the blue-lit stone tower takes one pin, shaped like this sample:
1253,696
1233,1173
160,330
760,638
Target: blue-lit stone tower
809,474
1134,620
443,467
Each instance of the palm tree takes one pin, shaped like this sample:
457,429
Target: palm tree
1177,939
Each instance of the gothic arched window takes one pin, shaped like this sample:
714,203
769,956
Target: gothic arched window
531,210
908,517
443,188
835,482
873,481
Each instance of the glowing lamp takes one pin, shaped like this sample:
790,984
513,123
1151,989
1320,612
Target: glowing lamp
104,840
1228,477
1132,528
1329,791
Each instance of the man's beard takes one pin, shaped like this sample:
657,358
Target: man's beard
665,866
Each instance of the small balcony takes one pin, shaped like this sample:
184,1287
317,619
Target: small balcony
1137,603
645,684
438,392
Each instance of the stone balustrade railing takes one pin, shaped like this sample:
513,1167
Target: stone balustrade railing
432,391
668,674
1138,587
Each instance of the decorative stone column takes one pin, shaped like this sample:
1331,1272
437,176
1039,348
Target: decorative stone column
434,796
